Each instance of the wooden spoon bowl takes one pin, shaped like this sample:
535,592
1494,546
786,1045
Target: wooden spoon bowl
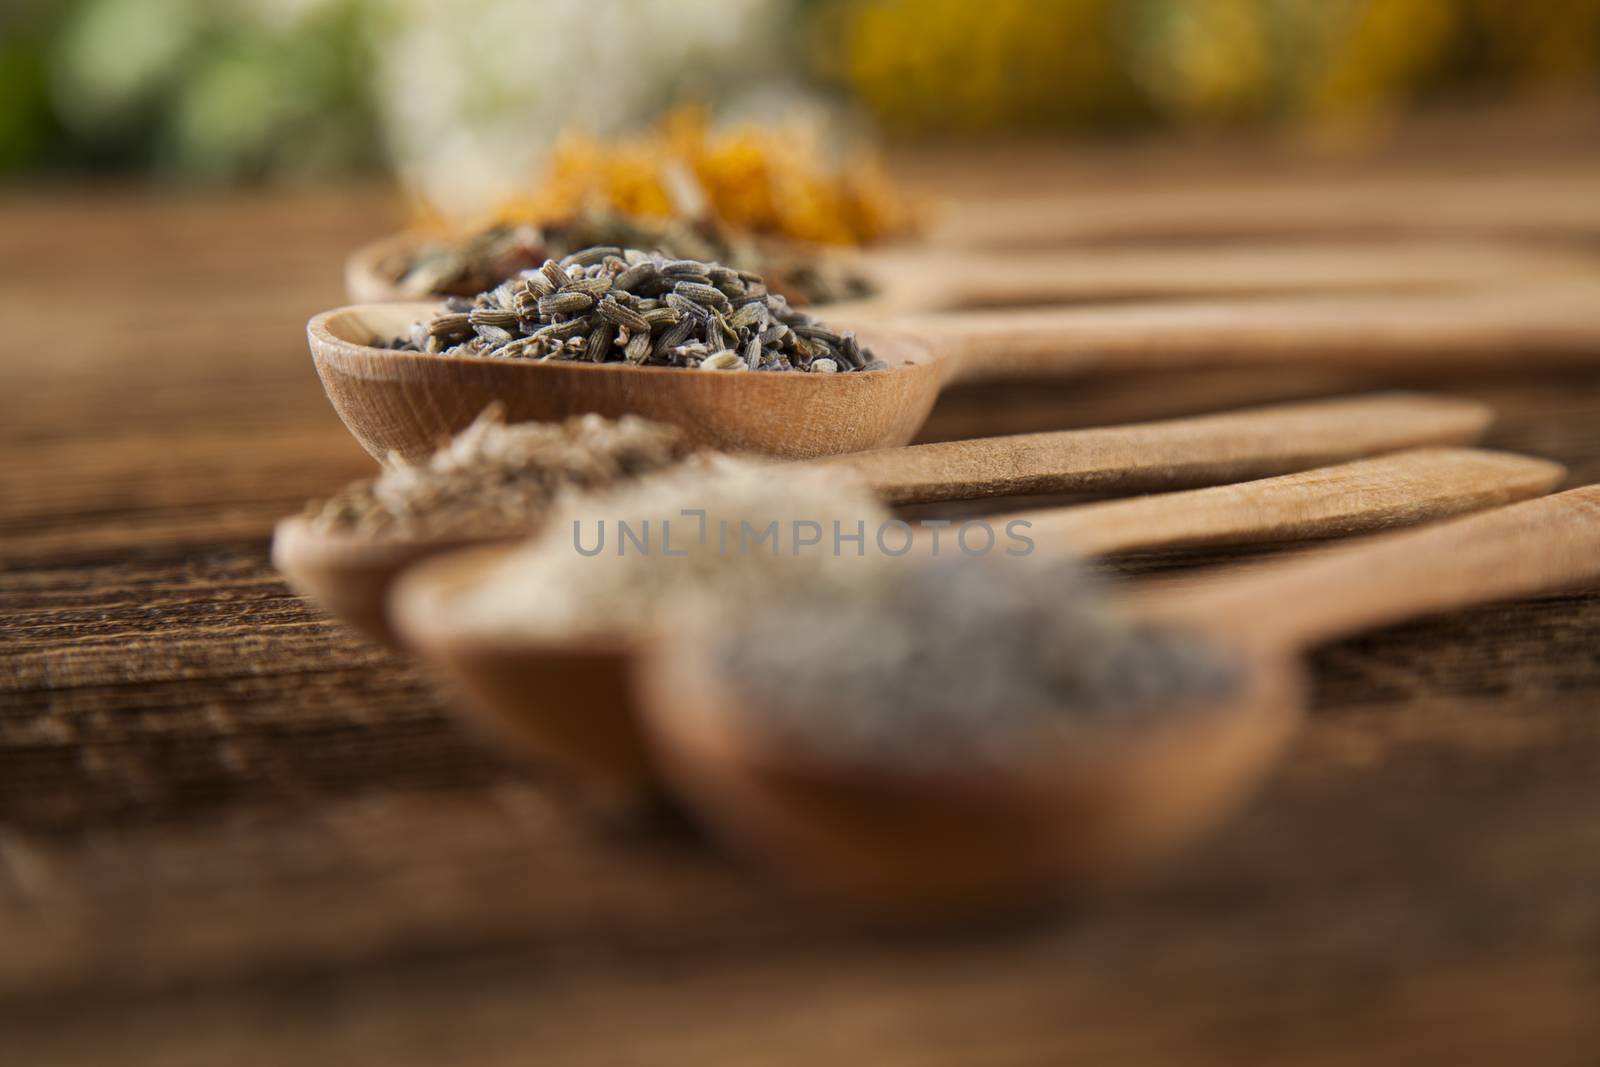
920,844
920,278
406,402
567,704
409,402
574,703
372,272
1082,813
350,576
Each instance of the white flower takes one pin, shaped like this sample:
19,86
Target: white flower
476,92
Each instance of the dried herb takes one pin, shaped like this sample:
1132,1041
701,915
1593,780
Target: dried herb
611,305
470,264
497,480
961,660
632,560
782,179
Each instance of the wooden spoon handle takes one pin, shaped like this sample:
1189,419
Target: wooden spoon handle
1549,205
945,280
1370,494
1171,454
1554,324
1519,550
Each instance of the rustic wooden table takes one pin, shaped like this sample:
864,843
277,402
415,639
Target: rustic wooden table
230,832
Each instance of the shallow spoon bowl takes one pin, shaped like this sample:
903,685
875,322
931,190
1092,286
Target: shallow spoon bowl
571,702
1088,811
919,278
350,575
407,402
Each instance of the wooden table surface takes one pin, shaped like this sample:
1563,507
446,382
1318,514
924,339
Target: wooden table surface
230,832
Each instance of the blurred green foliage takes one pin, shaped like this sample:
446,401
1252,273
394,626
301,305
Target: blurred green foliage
198,87
249,88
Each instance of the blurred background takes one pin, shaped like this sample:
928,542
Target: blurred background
233,832
465,101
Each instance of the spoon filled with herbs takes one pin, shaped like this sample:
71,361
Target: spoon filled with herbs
414,267
960,738
544,637
712,350
497,482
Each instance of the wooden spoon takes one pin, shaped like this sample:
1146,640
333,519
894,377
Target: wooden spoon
932,279
569,702
349,576
406,402
942,279
1562,207
1166,454
1371,494
966,841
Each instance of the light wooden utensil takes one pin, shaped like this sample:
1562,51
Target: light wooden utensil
1397,490
932,279
406,402
349,576
955,843
944,279
1167,454
1553,208
569,702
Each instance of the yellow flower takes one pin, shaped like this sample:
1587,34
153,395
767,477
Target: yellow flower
965,65
760,180
1210,59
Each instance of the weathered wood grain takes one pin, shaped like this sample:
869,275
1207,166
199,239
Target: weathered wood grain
230,832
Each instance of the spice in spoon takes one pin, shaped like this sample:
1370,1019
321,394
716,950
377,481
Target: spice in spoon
629,562
614,305
829,646
497,480
478,261
957,661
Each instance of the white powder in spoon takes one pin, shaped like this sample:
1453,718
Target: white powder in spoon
626,561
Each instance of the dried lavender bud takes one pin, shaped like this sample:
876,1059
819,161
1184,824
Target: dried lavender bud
564,304
590,256
478,262
752,315
708,295
623,315
640,274
594,287
553,273
450,325
637,349
686,268
609,305
492,316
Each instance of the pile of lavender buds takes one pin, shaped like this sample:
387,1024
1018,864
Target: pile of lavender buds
614,305
463,266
